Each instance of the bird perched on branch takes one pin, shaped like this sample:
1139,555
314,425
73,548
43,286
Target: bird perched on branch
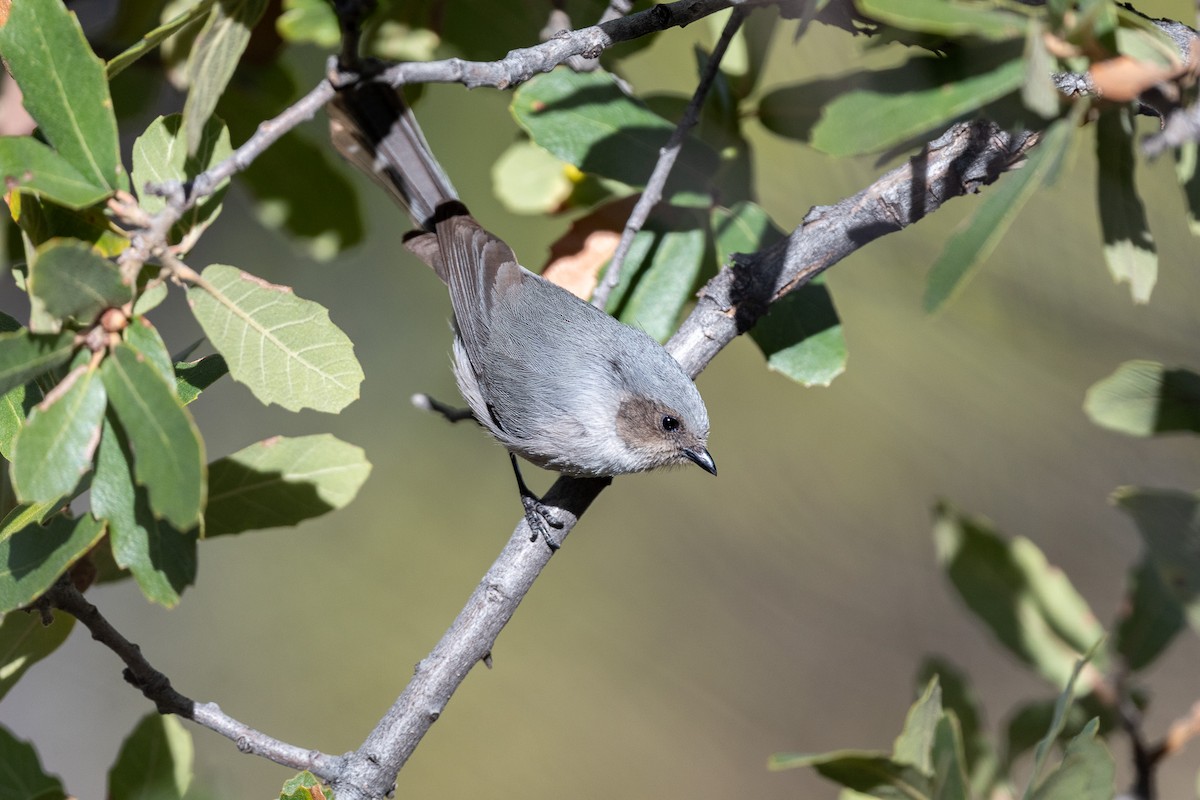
554,379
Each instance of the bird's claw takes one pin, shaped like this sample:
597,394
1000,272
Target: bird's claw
541,518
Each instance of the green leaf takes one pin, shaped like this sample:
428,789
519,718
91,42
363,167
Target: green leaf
1143,398
1139,37
529,180
213,58
304,786
141,335
1189,180
155,761
42,220
30,166
949,761
309,21
281,178
64,88
1028,605
950,19
914,745
850,794
1063,608
1027,725
392,36
979,757
1087,771
161,558
24,356
33,556
191,15
15,405
150,299
861,770
281,482
974,242
168,454
665,284
161,156
1149,618
1099,19
1062,707
1128,246
801,336
586,120
23,777
743,228
283,347
1169,523
24,641
193,377
71,280
899,104
793,111
54,449
1038,91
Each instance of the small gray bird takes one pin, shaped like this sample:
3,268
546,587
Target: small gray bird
554,379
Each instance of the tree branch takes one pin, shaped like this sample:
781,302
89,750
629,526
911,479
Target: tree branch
522,64
372,769
157,688
666,161
959,162
150,236
965,158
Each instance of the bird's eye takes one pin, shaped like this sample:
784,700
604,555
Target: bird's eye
670,423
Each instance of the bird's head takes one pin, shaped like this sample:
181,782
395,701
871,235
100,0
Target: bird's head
665,428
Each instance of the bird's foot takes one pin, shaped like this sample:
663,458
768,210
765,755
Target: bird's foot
541,519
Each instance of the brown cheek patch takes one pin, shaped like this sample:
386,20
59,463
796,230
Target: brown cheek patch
634,416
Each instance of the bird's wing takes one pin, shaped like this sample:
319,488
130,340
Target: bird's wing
480,270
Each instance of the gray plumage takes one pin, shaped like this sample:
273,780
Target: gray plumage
555,380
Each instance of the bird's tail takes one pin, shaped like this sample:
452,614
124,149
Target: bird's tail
373,128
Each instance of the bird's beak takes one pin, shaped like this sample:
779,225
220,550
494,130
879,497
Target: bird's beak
702,459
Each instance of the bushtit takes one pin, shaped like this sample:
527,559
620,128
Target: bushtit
554,379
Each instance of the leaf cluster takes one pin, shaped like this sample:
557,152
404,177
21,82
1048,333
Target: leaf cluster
109,474
1021,65
591,146
1033,611
941,753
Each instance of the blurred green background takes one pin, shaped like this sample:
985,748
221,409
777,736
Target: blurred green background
691,626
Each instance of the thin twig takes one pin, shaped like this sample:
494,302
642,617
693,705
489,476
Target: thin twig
157,688
1130,716
1180,733
666,161
151,238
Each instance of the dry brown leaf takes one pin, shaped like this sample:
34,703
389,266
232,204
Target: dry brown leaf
1122,79
579,272
578,256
